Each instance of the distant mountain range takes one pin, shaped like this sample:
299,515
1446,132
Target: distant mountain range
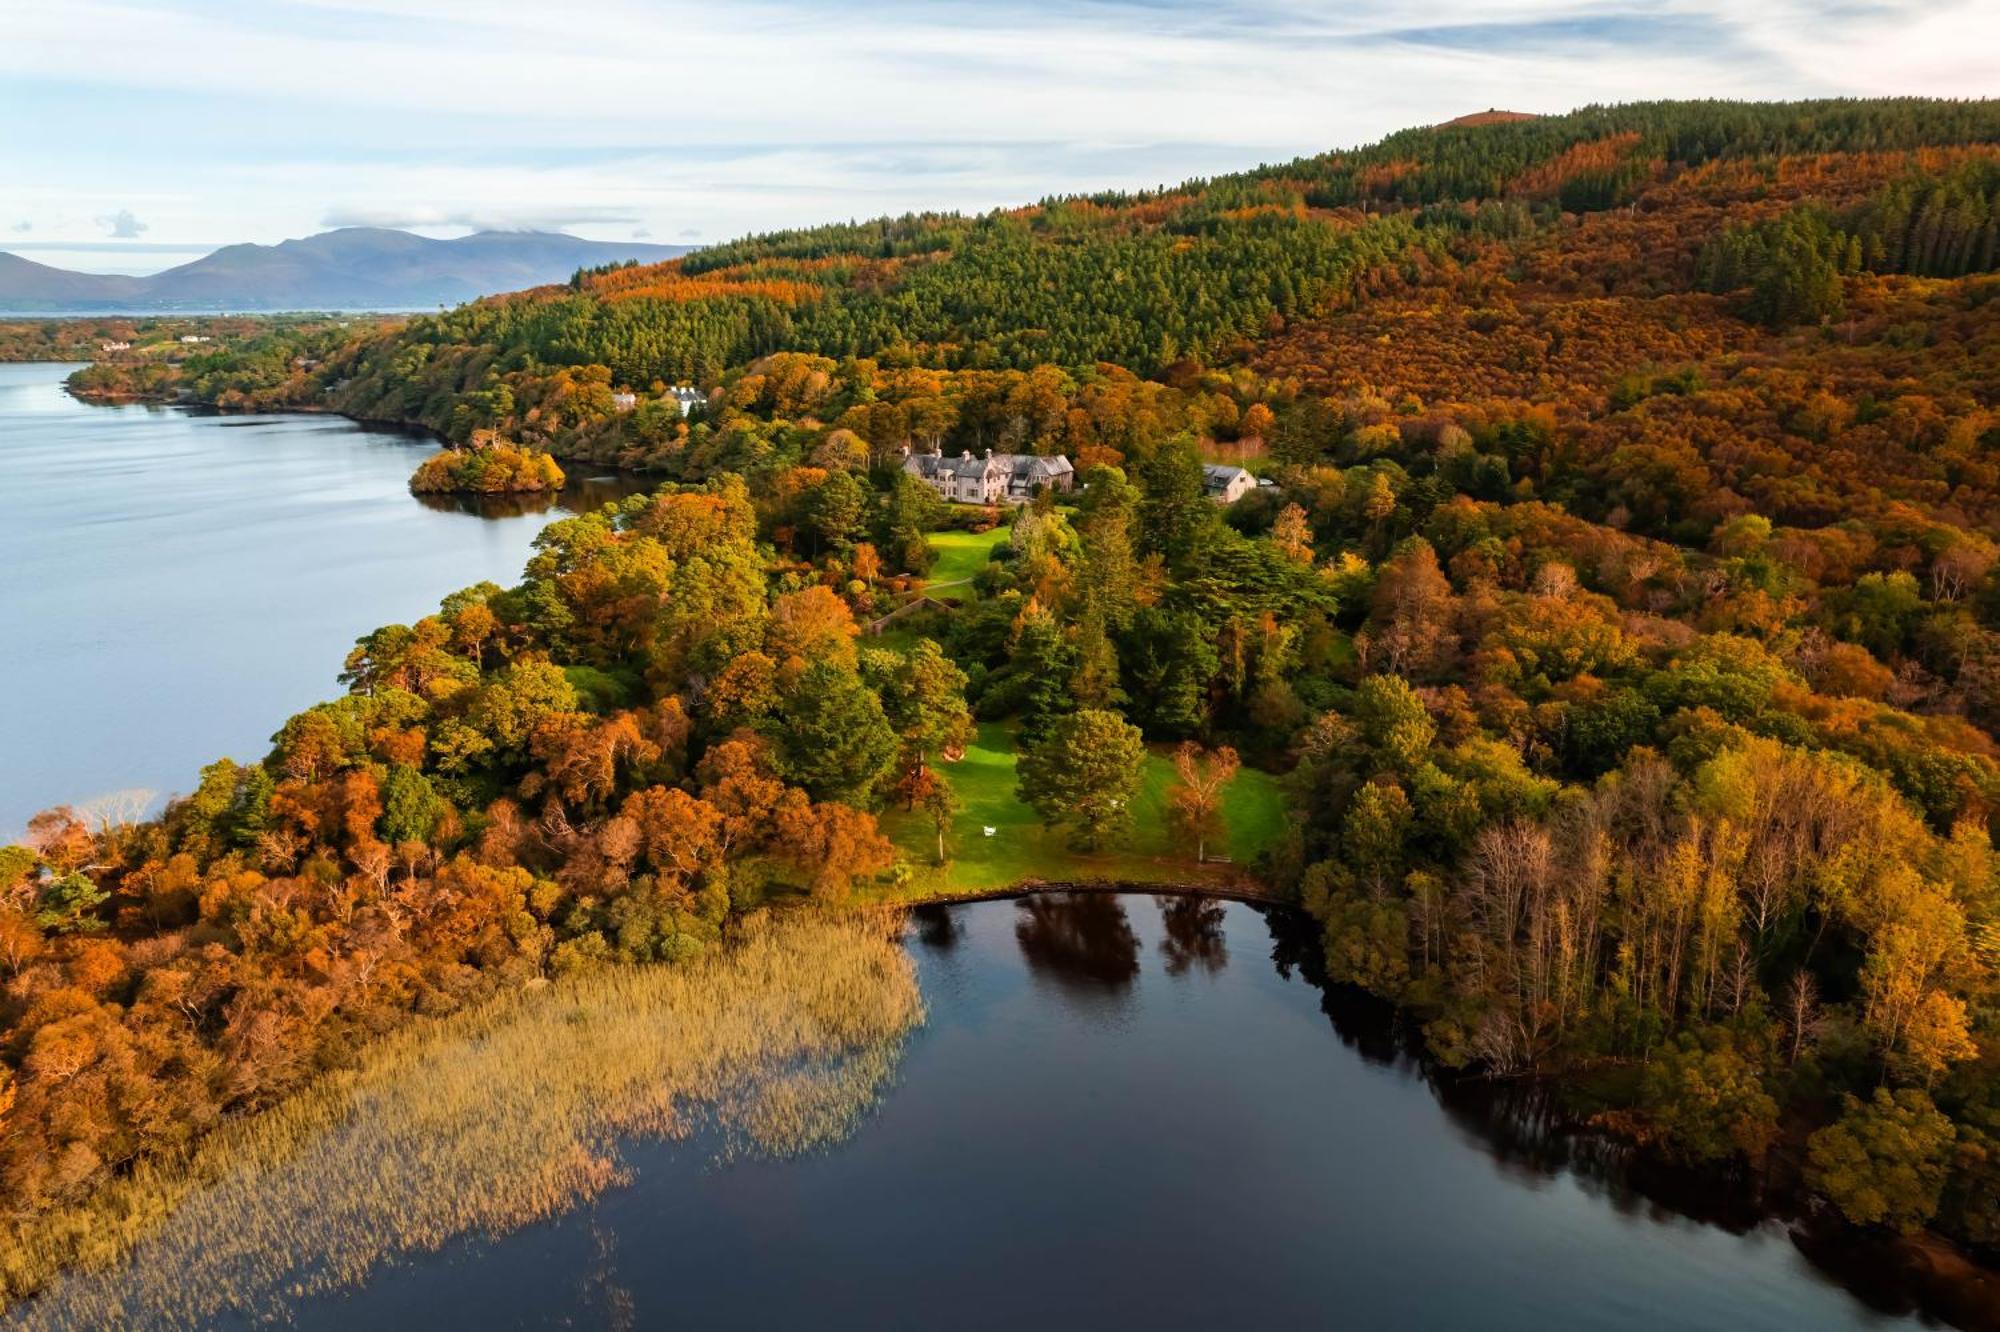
354,268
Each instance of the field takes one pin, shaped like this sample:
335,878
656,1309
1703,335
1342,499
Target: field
960,556
1022,849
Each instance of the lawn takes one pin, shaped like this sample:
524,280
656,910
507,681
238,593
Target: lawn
960,556
1021,848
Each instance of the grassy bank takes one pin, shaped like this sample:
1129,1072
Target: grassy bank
481,1123
1022,849
960,556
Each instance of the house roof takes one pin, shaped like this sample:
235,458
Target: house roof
1016,466
1220,476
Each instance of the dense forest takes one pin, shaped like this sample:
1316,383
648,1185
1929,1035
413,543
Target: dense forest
1623,616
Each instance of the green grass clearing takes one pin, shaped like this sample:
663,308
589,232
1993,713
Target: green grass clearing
960,556
1021,848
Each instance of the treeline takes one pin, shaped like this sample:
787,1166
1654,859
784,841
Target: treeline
1942,224
1495,161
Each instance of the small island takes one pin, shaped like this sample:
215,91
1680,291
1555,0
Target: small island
487,468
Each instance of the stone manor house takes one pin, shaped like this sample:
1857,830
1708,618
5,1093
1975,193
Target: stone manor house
990,478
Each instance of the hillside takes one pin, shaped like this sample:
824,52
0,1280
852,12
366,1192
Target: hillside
27,285
354,268
1620,628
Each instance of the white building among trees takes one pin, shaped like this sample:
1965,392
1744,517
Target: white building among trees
1226,484
991,478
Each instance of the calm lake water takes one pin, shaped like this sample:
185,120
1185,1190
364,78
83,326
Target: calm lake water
1124,1111
173,585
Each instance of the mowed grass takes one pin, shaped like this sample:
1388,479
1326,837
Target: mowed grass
960,556
1021,849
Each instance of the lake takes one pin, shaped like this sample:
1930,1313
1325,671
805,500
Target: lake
1125,1111
177,584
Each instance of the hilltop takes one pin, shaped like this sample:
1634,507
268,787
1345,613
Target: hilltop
1491,116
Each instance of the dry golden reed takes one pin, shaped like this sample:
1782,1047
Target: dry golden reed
481,1123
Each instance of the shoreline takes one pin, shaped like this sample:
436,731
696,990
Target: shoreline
1247,893
1926,1273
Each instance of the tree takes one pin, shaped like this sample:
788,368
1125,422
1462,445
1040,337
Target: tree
509,706
1197,801
1084,776
1709,1100
940,802
68,903
1095,683
1170,660
411,806
914,509
1043,665
812,624
1293,535
829,736
834,844
1176,515
1885,1162
1411,619
923,697
832,510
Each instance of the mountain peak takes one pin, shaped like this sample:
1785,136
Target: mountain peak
349,268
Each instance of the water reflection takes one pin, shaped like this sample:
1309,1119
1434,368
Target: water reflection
1081,941
578,495
937,926
1531,1137
608,1299
1194,940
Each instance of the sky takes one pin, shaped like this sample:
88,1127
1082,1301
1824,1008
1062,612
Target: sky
144,133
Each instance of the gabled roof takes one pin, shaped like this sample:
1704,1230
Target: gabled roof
1017,467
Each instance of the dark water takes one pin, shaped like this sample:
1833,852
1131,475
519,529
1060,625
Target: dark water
173,585
1125,1112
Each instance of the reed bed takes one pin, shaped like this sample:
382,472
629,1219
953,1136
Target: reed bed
482,1123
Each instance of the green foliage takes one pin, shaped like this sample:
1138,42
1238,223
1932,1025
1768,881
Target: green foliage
1368,942
829,735
1710,1099
1885,1162
1084,776
1933,225
68,903
1791,267
1176,516
16,864
1169,658
506,709
411,805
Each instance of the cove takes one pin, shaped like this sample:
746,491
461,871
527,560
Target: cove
1131,1111
173,584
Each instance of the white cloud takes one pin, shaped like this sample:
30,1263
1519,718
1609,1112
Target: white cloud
716,118
477,217
122,225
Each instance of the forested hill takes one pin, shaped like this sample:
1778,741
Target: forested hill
1145,280
1622,624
